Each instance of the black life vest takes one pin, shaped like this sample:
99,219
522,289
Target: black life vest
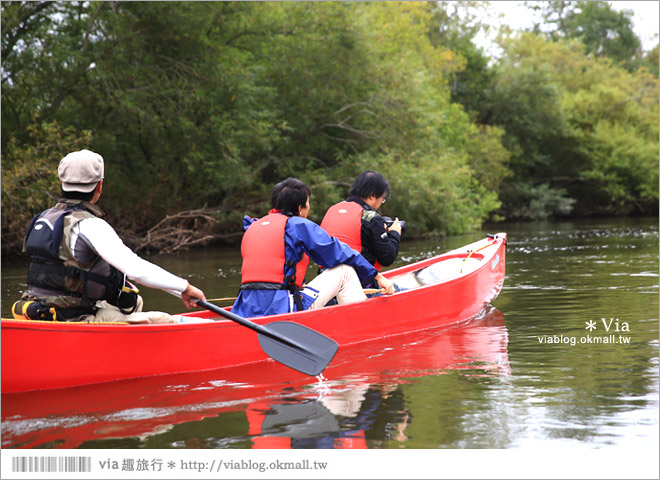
71,285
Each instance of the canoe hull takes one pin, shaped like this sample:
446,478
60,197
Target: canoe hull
47,355
72,417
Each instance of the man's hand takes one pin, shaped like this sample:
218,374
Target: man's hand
396,226
386,284
190,296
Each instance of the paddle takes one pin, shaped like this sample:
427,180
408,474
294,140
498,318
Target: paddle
291,344
221,299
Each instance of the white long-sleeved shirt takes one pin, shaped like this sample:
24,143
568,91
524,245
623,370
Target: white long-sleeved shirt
94,236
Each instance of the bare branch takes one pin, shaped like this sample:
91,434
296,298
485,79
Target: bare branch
90,25
182,231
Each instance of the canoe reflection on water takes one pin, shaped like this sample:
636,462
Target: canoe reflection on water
265,405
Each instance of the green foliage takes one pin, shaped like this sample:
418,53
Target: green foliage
616,137
650,60
603,31
211,103
455,26
29,176
487,156
433,201
529,202
579,124
194,103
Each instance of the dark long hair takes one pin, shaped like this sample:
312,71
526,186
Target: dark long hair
369,183
289,195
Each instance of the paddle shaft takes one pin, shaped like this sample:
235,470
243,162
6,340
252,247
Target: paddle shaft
475,251
246,323
242,321
368,291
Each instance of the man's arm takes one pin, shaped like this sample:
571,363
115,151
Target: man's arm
100,236
379,242
326,250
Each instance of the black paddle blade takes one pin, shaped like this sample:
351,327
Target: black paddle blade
307,350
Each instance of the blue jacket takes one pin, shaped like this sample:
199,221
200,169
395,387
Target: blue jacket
301,235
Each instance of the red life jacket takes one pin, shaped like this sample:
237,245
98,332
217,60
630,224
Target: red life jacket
344,222
262,249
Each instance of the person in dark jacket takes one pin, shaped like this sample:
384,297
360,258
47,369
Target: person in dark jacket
356,221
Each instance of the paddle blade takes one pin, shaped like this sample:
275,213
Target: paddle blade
310,353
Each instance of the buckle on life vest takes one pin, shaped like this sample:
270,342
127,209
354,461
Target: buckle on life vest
127,300
31,310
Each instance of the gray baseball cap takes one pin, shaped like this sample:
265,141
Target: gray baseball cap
80,171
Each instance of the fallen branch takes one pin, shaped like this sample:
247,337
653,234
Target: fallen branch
181,231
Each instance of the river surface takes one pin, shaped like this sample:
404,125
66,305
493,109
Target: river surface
528,372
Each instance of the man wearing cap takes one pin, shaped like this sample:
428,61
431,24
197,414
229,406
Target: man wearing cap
78,264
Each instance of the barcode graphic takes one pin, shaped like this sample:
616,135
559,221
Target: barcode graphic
51,464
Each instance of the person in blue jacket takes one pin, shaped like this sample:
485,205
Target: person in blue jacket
276,250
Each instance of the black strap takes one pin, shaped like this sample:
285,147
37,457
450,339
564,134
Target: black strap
37,269
291,286
297,296
263,286
54,269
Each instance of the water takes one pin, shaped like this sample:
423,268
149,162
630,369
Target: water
526,373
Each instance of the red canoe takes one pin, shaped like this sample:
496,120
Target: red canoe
441,290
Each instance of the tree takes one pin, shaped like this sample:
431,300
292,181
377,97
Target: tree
29,176
454,26
604,31
30,51
579,128
195,103
650,60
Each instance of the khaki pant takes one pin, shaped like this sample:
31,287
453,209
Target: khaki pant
341,282
110,313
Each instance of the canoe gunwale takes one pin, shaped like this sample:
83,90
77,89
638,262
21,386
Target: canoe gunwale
405,269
